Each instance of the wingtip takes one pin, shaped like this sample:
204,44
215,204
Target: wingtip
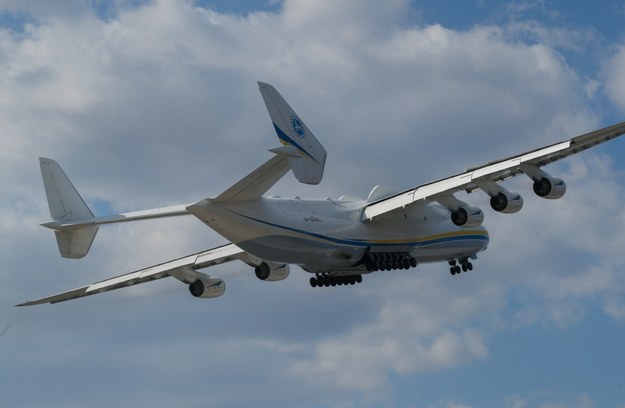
264,85
42,301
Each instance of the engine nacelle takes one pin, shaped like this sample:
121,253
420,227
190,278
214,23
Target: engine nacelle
207,287
506,202
549,187
466,216
272,272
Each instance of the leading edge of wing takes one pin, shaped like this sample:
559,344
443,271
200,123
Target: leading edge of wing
183,269
495,171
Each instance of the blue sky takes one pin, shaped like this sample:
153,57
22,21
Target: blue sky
153,103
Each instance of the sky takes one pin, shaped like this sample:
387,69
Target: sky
154,103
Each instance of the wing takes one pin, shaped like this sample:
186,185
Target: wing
484,177
183,269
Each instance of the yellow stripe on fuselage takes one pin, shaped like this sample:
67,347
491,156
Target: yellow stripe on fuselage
430,237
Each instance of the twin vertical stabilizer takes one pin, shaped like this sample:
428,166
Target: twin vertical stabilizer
66,205
306,155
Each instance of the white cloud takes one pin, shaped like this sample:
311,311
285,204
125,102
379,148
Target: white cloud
360,359
588,222
515,401
565,38
449,404
546,399
614,72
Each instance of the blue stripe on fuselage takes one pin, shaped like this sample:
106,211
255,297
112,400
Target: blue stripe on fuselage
364,243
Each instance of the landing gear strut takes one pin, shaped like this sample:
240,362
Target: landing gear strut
465,265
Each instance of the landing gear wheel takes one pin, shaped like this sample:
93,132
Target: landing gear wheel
457,266
323,280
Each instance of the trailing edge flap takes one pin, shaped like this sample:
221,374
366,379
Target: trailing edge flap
305,154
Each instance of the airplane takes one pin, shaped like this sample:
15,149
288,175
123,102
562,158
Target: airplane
336,240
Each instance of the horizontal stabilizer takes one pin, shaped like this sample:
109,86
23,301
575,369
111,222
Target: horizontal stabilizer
74,224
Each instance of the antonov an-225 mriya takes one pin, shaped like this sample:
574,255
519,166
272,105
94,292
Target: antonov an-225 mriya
336,240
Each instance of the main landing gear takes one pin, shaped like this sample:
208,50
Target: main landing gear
465,265
387,261
327,280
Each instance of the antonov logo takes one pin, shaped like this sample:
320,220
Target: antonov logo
297,126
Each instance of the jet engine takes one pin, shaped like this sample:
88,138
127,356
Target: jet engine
207,287
506,202
549,187
466,216
272,272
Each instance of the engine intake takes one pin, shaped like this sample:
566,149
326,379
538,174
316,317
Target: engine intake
506,202
272,272
207,287
549,187
466,216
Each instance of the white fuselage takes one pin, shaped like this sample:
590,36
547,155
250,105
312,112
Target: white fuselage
324,236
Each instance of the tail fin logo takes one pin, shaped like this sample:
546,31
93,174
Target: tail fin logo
297,127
